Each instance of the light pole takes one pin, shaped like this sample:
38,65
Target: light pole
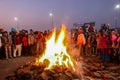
16,20
51,15
117,15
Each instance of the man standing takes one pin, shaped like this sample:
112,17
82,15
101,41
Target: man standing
18,44
31,42
7,42
81,41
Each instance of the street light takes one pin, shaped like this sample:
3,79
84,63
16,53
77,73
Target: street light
117,6
117,15
16,19
51,15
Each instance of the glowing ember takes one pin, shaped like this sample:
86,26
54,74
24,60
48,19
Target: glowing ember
55,53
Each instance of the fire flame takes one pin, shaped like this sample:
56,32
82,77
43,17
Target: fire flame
55,52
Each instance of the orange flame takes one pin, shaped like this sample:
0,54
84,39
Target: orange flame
55,51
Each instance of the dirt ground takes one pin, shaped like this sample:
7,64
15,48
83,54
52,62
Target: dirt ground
9,66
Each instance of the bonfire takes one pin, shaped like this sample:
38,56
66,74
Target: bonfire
55,63
56,53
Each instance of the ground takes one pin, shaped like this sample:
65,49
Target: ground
92,68
96,69
9,66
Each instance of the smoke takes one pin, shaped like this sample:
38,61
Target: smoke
71,46
74,52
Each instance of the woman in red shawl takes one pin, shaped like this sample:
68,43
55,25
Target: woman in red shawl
103,45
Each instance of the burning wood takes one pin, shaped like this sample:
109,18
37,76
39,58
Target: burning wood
35,72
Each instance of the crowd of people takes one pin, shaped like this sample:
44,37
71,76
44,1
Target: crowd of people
17,43
104,43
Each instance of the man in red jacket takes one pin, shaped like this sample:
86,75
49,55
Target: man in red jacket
18,44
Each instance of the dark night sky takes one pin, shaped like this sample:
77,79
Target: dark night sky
35,13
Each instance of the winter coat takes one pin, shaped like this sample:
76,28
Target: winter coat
25,41
17,40
81,39
31,39
7,40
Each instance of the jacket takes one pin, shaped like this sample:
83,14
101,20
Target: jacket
81,39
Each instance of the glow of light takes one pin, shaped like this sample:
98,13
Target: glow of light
15,18
117,6
50,14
